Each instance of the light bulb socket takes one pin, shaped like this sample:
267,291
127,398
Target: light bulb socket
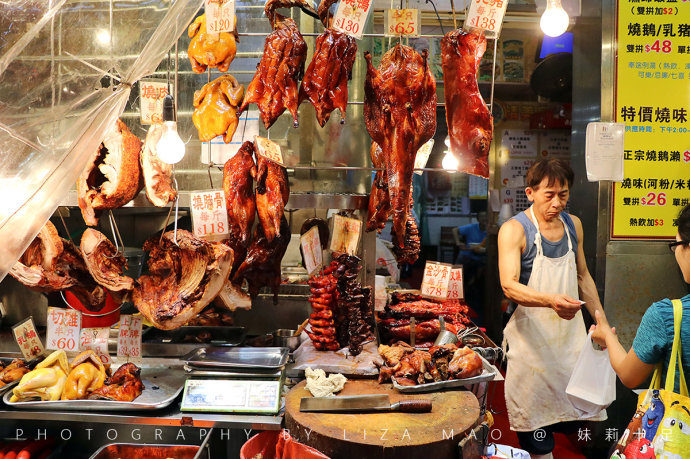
169,108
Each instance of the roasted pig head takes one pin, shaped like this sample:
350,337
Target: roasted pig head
215,108
185,275
211,49
113,176
157,174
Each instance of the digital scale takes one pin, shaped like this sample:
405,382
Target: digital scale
237,380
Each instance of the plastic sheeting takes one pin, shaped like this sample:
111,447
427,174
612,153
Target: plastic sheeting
66,72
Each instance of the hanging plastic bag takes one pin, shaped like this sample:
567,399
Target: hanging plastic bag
592,385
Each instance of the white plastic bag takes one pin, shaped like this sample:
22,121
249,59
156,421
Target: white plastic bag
592,385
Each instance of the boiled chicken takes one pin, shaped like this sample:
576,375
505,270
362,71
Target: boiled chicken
215,108
185,275
211,49
157,174
238,186
379,200
123,386
274,86
272,194
325,82
113,176
470,124
400,115
87,375
46,382
104,262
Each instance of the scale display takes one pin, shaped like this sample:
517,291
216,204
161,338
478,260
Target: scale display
233,396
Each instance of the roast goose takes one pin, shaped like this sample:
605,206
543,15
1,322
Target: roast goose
325,82
157,174
238,186
105,263
274,86
52,264
211,49
379,200
123,386
113,176
400,115
185,275
470,124
215,108
272,194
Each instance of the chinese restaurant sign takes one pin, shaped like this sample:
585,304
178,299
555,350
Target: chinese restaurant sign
653,100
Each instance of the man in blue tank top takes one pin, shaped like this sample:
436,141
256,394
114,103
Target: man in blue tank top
543,270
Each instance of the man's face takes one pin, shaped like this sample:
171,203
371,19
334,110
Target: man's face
549,201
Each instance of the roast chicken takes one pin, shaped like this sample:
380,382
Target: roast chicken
45,382
272,194
470,124
400,115
157,174
104,262
238,186
12,372
211,49
112,177
325,82
215,108
185,275
274,86
379,200
123,386
87,375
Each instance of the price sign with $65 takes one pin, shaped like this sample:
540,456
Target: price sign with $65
402,23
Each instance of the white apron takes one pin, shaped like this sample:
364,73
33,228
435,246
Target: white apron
543,348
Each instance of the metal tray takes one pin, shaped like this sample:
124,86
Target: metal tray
220,336
489,372
161,388
237,357
8,386
134,450
4,362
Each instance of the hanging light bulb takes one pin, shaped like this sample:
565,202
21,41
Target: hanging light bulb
555,20
447,141
170,147
450,162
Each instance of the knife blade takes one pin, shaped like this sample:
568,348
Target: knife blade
359,403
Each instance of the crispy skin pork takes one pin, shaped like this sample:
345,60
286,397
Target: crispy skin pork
211,49
272,194
184,278
104,262
274,86
123,386
400,115
215,108
238,186
470,124
325,82
113,176
157,174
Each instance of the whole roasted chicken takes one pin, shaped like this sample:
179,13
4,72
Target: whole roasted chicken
215,108
400,115
272,194
45,382
470,124
157,174
105,263
274,86
87,375
185,275
325,82
123,386
238,186
211,49
113,176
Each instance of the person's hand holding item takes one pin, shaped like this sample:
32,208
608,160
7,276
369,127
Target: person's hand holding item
602,329
565,306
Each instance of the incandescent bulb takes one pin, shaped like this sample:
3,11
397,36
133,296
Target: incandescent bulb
555,20
450,162
170,147
447,141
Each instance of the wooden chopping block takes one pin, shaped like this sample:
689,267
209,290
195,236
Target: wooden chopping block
385,435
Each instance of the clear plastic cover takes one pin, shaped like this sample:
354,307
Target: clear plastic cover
54,111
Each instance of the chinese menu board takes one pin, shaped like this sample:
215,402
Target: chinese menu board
652,99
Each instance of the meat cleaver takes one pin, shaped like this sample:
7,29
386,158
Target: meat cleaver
361,403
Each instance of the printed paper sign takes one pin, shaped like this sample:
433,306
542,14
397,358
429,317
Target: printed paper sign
423,156
401,23
209,214
486,15
151,95
436,279
604,150
351,16
219,152
268,149
311,248
516,143
345,236
27,338
220,15
455,288
96,339
64,326
129,337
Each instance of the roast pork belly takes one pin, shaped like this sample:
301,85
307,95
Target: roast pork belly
157,174
185,276
105,263
113,176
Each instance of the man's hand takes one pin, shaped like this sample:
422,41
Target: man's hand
565,306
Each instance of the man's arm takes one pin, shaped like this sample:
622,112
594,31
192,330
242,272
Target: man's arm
511,242
585,283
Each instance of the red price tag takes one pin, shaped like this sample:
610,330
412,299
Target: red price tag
220,15
345,235
436,279
129,337
268,149
486,15
209,214
311,248
64,326
27,338
455,285
351,16
403,23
